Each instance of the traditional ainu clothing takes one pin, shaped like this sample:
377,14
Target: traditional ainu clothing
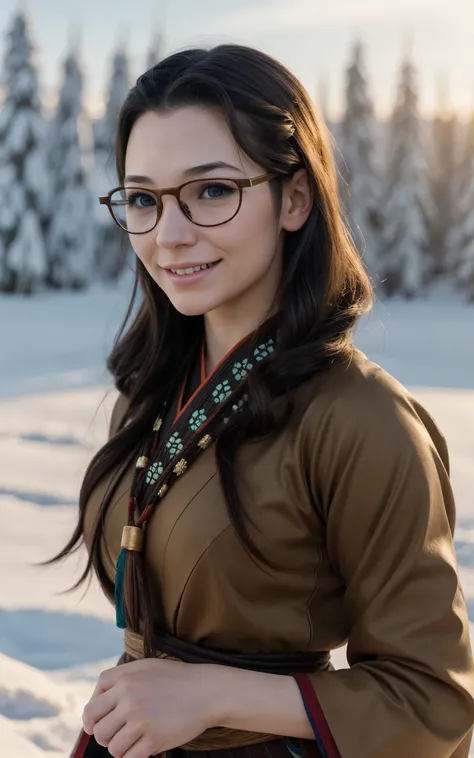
352,501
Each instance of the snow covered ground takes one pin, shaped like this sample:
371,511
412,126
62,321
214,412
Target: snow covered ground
55,402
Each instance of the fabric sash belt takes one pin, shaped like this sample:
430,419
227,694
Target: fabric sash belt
167,646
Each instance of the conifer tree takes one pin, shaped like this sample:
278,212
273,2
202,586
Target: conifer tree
462,238
24,181
359,170
112,246
444,175
155,50
408,205
71,237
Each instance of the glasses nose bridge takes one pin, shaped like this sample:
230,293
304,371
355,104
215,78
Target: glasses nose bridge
160,194
173,191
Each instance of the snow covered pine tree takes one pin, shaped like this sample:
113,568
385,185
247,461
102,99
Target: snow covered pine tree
408,206
24,181
155,50
461,239
72,234
444,185
358,142
112,246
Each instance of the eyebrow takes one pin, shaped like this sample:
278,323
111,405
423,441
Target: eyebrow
189,172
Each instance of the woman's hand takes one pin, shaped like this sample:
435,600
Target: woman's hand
144,707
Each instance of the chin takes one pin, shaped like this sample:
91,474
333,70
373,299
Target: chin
190,308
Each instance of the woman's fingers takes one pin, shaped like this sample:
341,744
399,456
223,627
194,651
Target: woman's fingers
97,708
106,729
128,743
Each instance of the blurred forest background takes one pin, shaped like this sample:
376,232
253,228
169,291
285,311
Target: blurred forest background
407,183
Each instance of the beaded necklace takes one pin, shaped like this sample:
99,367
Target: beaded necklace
180,434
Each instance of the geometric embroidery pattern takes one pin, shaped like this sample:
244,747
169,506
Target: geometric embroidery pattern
222,391
174,444
197,419
241,369
154,472
264,350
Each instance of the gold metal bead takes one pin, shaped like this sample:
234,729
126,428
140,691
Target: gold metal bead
142,462
205,441
163,490
180,467
157,425
132,538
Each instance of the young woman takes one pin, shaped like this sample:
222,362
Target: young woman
267,493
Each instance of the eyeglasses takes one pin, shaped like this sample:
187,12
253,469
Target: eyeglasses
205,202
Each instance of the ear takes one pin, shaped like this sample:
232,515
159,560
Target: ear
297,201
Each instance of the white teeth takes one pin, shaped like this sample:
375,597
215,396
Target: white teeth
193,270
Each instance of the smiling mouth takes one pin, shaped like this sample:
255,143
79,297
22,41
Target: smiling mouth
192,269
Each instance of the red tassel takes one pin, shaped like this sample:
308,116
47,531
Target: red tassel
131,508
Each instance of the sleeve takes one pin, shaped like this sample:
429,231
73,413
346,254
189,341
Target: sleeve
378,471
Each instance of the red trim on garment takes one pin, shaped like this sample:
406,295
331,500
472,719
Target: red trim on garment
81,746
205,378
203,364
317,714
180,409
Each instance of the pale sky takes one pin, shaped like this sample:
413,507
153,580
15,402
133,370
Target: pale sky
312,37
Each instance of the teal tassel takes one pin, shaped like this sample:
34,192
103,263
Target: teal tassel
118,591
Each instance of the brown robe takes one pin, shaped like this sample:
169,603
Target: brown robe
354,503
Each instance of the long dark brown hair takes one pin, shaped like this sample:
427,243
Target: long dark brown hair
323,291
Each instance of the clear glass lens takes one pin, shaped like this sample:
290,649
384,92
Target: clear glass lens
207,202
134,209
210,201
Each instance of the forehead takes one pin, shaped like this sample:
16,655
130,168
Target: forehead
163,145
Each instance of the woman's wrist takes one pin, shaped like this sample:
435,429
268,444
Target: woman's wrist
257,702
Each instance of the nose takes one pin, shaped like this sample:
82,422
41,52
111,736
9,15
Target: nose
173,228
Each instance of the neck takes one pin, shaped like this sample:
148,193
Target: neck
227,325
224,332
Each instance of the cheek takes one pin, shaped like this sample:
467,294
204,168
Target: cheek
144,249
254,226
141,247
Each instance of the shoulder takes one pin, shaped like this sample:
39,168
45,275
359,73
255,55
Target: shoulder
370,453
357,387
360,407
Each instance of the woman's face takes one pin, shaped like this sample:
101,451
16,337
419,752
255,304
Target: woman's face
246,252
